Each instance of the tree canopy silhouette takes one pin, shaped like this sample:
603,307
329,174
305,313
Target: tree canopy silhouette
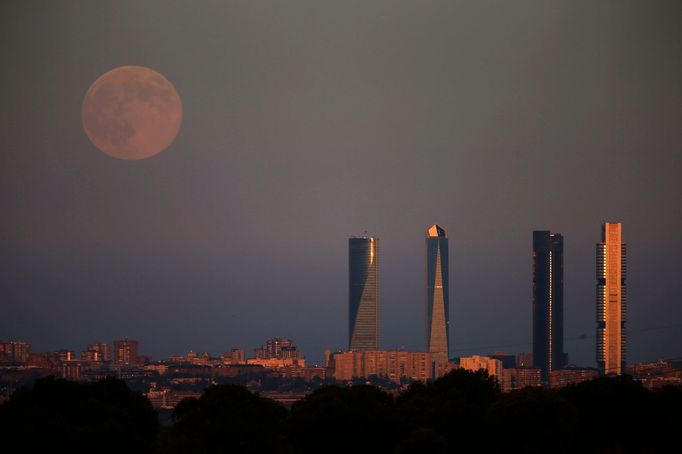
461,411
227,418
344,419
104,416
453,407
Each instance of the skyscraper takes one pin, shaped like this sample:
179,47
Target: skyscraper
611,307
548,302
437,299
126,351
363,293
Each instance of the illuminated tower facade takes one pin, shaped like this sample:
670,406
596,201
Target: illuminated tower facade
611,299
548,302
363,293
437,295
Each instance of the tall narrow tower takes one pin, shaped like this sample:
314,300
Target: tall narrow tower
548,302
611,299
437,298
363,293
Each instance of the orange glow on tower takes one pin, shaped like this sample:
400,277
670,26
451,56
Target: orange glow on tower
611,300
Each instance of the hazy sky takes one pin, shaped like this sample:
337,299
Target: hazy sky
306,122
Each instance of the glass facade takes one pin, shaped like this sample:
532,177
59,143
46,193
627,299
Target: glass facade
437,295
548,302
611,300
363,294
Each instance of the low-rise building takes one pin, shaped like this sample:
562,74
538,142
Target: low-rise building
14,351
486,363
558,378
234,356
276,363
521,377
392,364
71,370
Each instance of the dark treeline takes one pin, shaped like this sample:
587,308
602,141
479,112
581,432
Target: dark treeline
460,412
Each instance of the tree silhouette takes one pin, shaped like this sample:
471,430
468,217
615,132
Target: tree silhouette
666,419
454,406
614,413
227,418
105,416
342,420
534,420
461,411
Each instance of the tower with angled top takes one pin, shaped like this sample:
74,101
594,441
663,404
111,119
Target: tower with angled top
437,295
363,293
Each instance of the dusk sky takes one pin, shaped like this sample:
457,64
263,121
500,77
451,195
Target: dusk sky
306,122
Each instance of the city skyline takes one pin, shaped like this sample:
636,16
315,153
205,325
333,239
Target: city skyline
304,123
363,297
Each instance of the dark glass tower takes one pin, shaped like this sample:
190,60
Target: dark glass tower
548,302
363,294
437,290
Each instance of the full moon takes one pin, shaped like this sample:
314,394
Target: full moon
131,112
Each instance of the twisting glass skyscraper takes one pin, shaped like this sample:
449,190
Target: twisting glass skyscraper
363,294
437,295
611,299
548,302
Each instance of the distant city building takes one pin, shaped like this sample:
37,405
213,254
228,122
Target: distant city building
278,353
524,360
6,352
486,363
568,375
300,371
437,295
310,373
611,300
71,370
17,351
391,364
200,360
176,359
363,294
276,363
102,348
508,360
278,348
65,355
521,377
91,356
41,360
548,302
658,368
21,351
657,374
235,356
126,351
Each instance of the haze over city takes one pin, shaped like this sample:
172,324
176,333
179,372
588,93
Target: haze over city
305,123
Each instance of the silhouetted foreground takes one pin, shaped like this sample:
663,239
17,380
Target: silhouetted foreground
461,411
65,416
